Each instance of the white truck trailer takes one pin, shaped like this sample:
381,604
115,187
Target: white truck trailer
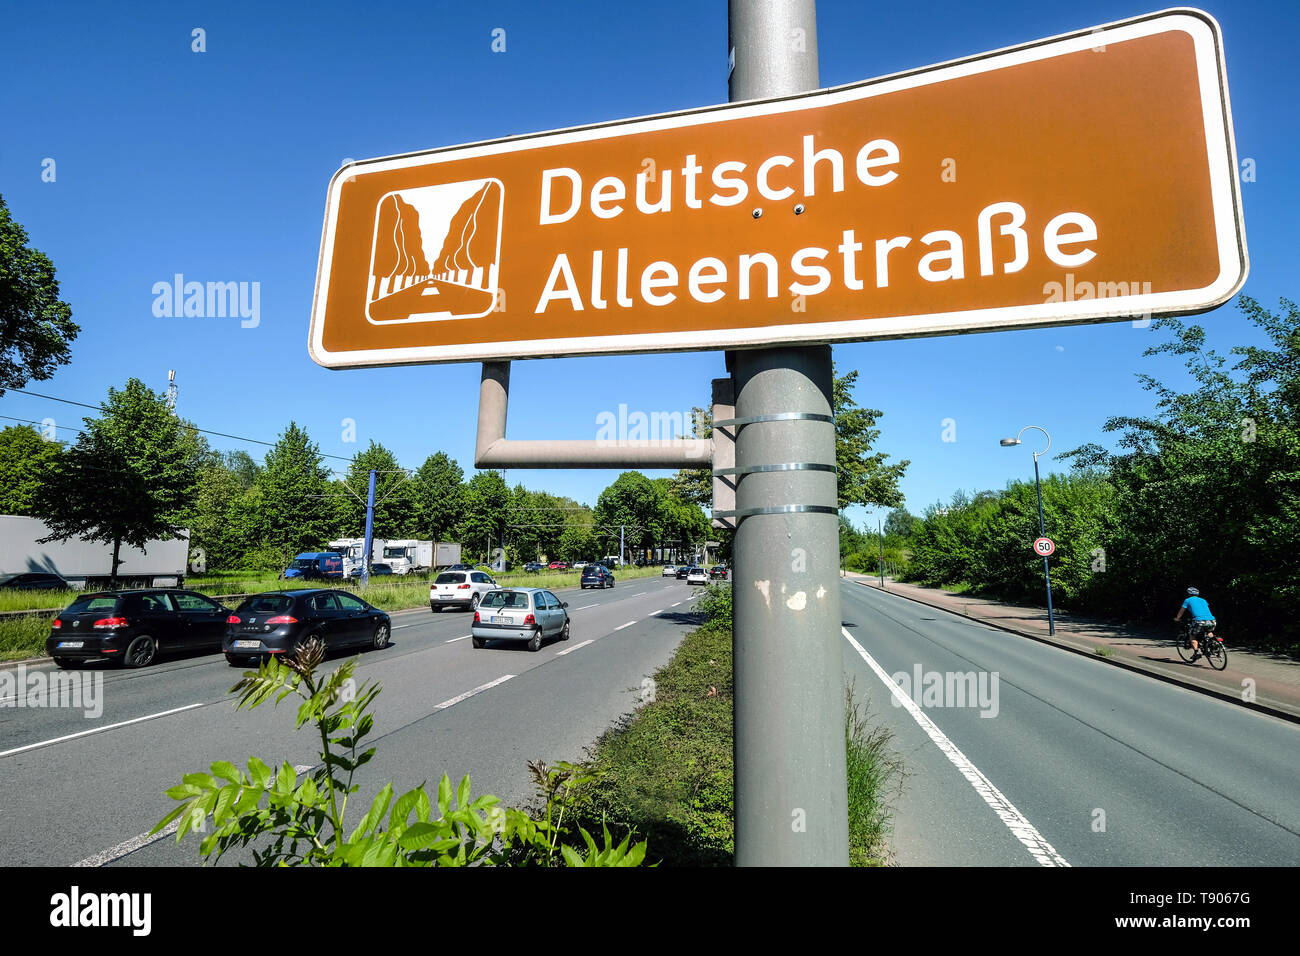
406,556
445,554
89,564
353,551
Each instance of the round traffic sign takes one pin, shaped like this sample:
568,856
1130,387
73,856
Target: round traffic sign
1044,546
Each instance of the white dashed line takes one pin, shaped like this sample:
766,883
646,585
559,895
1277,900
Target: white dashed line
470,693
96,730
463,637
1015,821
585,606
674,605
570,650
621,626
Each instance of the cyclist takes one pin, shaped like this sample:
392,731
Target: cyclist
1202,620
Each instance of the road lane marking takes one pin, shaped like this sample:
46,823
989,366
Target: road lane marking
104,857
463,637
470,693
585,606
570,650
96,730
1015,821
674,605
619,628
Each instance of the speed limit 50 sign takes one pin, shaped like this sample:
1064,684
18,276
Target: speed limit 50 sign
1044,546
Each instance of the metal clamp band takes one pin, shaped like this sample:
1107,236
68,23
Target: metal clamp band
786,466
779,417
778,510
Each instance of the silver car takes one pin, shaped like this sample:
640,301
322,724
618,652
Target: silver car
462,589
520,614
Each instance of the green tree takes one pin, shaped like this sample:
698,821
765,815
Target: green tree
439,487
293,500
26,462
36,327
396,496
865,478
131,476
486,508
634,505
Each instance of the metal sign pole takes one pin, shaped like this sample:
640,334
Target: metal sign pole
791,782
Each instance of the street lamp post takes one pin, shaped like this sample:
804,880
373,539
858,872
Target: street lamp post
1042,528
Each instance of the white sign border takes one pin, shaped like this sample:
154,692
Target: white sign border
1225,198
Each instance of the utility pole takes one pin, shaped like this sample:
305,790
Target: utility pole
370,533
880,536
791,781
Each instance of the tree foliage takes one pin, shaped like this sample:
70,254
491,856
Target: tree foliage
131,476
36,327
27,461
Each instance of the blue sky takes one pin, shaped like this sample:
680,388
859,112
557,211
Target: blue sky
215,165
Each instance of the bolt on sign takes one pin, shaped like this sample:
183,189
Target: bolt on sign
1084,178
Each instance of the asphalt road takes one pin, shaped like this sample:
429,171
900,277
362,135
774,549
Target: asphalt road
1077,762
94,796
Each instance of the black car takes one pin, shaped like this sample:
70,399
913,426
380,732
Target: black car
533,566
718,571
132,628
35,581
597,576
276,622
376,570
681,572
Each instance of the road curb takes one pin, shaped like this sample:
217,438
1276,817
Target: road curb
1292,716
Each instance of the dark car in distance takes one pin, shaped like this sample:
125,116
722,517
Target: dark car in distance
276,622
681,571
133,627
35,581
534,566
718,571
596,576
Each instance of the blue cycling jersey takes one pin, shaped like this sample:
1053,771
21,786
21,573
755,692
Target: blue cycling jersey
1200,609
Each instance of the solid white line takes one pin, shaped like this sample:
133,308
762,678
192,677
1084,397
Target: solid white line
96,730
105,857
570,650
464,637
1015,821
470,693
621,626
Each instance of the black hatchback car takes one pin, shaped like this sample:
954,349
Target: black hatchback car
278,621
134,627
597,576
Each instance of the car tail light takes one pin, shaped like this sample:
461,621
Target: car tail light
462,587
233,619
529,619
57,624
476,618
105,623
282,619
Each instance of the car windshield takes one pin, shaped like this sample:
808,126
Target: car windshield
266,604
449,578
305,563
505,599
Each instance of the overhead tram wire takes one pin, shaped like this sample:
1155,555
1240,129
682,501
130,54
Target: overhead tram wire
205,431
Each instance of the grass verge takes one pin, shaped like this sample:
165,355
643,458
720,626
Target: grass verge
666,771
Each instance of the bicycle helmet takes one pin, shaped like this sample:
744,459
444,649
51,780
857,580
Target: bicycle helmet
1193,592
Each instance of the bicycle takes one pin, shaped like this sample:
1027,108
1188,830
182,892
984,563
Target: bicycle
1215,654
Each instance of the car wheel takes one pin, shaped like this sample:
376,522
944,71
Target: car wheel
535,642
140,652
477,641
381,637
66,663
473,603
435,608
232,660
564,634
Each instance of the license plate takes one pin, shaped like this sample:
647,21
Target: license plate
501,620
72,643
248,643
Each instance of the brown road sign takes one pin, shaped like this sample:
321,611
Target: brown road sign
1084,178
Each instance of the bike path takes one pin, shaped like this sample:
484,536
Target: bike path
1253,678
